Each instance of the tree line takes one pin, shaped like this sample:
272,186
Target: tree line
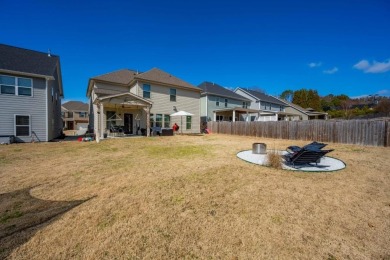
339,106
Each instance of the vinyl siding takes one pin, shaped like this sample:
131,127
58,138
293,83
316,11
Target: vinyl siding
295,111
186,100
120,89
54,109
253,104
34,106
212,105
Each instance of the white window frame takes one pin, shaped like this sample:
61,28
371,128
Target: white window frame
29,126
145,91
16,86
226,102
217,102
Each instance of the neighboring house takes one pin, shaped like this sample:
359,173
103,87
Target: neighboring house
30,94
74,115
268,107
131,102
302,113
220,104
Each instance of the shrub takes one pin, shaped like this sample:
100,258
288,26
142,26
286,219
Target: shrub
274,159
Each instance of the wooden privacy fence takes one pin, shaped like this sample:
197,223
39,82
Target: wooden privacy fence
362,132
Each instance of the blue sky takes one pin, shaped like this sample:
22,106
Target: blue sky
335,47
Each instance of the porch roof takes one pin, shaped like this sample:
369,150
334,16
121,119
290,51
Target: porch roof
127,98
237,109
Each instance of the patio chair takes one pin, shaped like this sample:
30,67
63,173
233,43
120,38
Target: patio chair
312,146
305,157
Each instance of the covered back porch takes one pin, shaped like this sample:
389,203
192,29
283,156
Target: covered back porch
122,114
234,114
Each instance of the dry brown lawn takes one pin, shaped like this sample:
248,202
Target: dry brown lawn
189,197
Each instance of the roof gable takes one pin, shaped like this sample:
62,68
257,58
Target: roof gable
215,89
27,61
263,97
159,76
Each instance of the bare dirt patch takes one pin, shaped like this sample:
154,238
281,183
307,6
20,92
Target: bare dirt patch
191,197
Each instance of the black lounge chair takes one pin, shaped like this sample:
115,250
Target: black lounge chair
305,157
312,146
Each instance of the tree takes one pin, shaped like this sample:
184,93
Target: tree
384,106
307,98
287,95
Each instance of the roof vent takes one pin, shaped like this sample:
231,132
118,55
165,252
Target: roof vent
48,53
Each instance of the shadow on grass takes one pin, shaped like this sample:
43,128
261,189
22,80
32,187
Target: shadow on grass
22,215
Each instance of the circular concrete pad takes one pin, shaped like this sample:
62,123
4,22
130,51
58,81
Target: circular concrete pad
327,164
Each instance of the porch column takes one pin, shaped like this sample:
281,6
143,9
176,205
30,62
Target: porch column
215,116
247,116
234,115
148,121
101,132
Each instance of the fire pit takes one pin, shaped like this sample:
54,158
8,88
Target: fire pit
259,148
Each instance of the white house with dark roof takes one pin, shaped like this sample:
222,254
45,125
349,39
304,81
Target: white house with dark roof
268,108
30,94
221,104
131,103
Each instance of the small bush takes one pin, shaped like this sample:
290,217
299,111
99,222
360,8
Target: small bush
274,159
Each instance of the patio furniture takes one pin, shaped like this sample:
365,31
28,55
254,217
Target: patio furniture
312,146
305,156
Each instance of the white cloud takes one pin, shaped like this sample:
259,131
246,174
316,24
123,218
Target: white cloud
383,92
331,71
315,64
374,67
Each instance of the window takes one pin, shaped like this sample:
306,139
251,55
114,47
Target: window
217,102
151,120
172,94
22,125
244,105
15,86
167,121
146,91
158,120
219,118
83,114
226,102
281,108
188,123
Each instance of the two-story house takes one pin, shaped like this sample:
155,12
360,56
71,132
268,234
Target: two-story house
30,94
221,104
75,115
268,107
132,102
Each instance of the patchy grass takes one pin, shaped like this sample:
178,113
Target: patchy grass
191,197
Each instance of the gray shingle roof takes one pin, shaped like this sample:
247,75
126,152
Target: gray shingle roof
215,89
126,76
123,76
264,97
75,106
27,61
157,75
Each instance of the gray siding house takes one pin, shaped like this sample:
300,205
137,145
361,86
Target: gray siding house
268,108
132,103
220,104
30,94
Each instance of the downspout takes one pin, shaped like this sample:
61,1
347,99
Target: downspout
207,108
47,112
